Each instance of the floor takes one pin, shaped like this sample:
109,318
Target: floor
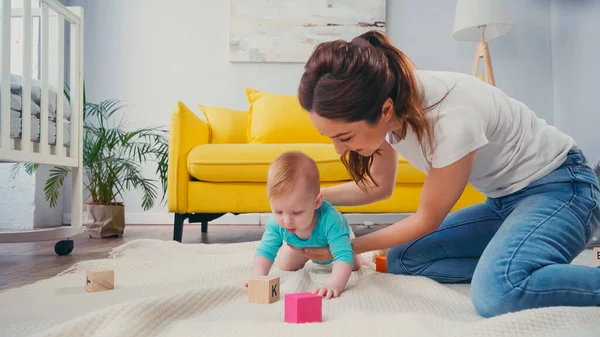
25,263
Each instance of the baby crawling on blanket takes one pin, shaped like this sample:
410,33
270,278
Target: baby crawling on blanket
301,218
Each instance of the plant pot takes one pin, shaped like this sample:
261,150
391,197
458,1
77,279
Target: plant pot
104,221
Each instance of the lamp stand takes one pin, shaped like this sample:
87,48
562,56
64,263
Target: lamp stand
482,51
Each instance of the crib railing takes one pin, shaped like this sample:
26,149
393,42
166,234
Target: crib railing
52,62
40,57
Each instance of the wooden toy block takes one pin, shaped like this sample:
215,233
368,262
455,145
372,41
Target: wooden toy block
381,264
303,308
99,280
263,289
380,252
597,254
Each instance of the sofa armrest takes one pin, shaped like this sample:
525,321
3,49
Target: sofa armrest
187,131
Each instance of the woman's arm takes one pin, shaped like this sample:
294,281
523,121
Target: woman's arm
441,190
383,170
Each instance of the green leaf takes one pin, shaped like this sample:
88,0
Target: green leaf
54,183
29,168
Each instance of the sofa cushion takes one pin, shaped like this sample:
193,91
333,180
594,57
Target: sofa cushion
226,125
241,197
250,162
279,119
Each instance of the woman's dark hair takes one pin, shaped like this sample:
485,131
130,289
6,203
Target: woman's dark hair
350,82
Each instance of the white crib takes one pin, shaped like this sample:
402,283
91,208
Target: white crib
57,138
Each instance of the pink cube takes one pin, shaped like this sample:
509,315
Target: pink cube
303,308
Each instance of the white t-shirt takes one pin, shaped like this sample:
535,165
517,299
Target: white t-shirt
514,146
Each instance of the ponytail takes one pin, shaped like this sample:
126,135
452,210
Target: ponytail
351,82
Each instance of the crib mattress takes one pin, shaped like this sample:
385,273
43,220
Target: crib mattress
16,129
16,111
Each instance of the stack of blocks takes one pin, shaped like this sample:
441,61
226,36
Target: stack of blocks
299,308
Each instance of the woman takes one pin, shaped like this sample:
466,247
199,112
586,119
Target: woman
542,203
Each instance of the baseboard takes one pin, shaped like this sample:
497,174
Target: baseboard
249,218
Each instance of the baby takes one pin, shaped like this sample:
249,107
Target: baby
302,219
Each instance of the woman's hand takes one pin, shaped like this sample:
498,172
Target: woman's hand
317,254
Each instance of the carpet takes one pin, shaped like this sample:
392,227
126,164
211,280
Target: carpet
164,288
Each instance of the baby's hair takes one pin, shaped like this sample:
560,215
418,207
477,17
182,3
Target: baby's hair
289,168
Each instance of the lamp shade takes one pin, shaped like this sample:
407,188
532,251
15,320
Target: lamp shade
474,15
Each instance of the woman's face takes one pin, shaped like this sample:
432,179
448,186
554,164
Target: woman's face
360,137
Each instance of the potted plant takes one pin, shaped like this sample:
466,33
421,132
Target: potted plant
113,158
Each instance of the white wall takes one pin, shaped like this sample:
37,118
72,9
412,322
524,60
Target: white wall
151,53
23,204
576,68
16,199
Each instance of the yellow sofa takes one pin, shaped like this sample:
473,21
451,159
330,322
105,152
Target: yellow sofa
219,164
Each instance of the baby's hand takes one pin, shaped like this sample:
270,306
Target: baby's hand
327,291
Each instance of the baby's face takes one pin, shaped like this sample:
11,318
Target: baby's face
295,211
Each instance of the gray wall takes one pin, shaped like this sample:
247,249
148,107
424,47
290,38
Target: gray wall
576,70
521,59
151,53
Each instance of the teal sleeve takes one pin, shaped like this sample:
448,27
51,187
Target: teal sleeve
271,241
338,237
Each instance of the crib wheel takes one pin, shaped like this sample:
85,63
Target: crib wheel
64,247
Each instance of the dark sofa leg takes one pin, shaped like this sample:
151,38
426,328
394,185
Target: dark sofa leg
178,226
204,218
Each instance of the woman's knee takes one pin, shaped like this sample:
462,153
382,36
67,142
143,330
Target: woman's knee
485,305
488,305
492,295
398,262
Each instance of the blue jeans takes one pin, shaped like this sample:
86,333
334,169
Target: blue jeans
515,250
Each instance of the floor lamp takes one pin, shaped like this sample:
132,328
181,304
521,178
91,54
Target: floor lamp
478,20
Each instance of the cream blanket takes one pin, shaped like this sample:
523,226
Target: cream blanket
169,289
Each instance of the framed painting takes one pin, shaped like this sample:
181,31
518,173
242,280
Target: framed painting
288,30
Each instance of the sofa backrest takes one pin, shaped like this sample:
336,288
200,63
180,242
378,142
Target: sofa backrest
225,125
278,119
271,119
